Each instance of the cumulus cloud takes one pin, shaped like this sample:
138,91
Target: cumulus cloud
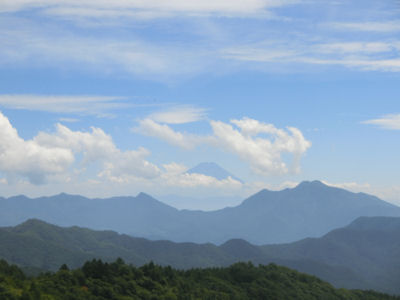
30,158
97,146
166,133
53,154
259,144
263,153
386,122
64,155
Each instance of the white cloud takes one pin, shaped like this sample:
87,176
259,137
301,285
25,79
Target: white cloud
29,158
62,104
355,47
175,168
129,166
175,176
26,42
260,53
69,120
365,56
194,180
52,155
179,115
259,144
149,8
97,146
386,122
391,26
263,153
360,63
37,46
166,133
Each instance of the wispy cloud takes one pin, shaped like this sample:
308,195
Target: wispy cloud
356,47
69,120
179,115
93,105
364,56
148,52
35,46
386,122
379,27
149,8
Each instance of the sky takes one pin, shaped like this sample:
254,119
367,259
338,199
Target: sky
105,98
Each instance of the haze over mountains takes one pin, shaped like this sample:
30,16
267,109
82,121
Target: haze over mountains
214,170
201,202
309,210
364,254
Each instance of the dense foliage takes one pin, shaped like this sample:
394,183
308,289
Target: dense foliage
117,280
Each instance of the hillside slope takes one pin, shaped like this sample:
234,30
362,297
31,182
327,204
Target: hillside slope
363,255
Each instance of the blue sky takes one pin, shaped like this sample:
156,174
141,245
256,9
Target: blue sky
109,98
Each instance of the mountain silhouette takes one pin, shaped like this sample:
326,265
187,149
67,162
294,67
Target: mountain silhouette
309,210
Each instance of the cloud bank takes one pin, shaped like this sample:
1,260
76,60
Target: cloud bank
259,144
64,156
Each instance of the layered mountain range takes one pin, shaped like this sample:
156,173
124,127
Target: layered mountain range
311,209
364,254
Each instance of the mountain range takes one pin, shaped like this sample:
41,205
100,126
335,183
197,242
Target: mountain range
362,255
309,210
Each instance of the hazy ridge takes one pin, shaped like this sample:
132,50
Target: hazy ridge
309,210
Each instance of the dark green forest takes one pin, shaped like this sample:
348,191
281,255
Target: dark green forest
117,280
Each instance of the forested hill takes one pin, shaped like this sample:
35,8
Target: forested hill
363,255
98,280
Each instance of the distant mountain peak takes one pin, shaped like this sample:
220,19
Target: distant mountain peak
311,184
213,170
143,195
